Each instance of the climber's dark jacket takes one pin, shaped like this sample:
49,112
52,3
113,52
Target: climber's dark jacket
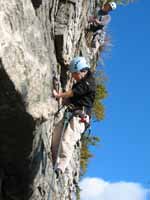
84,93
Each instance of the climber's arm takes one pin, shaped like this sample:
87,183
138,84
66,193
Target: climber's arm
66,94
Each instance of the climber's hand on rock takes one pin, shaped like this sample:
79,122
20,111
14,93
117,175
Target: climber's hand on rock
66,94
56,94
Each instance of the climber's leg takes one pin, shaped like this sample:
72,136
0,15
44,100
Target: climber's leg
56,140
71,136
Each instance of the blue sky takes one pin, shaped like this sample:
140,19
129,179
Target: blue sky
123,153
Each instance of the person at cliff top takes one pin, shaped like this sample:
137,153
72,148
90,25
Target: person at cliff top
81,97
103,17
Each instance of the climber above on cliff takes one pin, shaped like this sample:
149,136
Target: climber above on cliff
102,18
81,97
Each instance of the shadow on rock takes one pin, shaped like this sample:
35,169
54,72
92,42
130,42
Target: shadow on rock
36,3
16,140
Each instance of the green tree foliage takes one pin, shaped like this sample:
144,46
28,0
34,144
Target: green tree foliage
98,108
85,152
101,93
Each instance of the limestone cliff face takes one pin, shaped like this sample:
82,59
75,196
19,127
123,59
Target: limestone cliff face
37,39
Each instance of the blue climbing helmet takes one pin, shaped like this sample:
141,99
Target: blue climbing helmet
77,64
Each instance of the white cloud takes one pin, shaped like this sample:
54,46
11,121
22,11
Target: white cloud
98,189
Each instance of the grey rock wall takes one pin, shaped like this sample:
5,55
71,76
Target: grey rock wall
37,39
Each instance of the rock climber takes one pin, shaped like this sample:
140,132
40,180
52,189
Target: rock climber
99,23
81,97
103,17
